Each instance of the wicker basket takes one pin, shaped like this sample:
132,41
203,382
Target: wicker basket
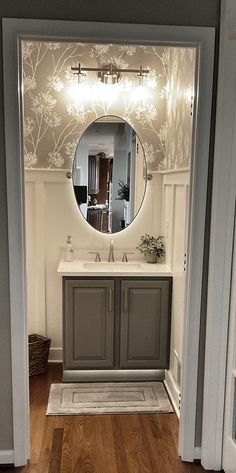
38,354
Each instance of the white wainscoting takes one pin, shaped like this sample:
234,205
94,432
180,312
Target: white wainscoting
175,228
51,214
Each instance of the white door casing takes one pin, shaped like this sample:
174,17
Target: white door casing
221,240
229,437
203,39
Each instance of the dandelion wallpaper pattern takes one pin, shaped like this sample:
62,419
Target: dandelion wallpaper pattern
55,116
54,121
179,114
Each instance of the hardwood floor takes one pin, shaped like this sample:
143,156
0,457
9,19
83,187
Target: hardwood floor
144,443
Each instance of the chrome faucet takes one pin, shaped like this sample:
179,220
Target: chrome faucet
97,256
111,253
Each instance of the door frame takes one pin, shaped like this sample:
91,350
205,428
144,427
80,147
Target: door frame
229,409
221,244
203,39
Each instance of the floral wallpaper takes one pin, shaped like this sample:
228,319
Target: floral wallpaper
179,111
57,110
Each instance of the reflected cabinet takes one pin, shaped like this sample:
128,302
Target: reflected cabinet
116,323
93,174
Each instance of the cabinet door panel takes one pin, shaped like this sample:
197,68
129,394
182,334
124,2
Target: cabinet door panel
89,324
145,320
93,174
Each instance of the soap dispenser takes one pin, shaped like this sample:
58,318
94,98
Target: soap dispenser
69,252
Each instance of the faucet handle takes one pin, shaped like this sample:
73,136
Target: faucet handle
125,259
111,253
97,257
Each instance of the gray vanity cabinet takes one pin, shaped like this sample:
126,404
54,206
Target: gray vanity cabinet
115,324
88,323
145,324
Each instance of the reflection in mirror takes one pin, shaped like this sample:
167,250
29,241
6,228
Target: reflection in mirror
109,174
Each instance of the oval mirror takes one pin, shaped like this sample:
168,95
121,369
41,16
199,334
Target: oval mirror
109,174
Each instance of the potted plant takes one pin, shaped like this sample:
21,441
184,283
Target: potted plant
152,247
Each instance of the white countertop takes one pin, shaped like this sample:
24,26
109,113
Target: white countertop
137,268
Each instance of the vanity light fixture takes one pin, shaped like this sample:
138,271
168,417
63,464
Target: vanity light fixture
109,74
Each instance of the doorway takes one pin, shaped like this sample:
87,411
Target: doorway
189,382
62,137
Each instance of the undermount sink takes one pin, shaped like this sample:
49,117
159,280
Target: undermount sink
135,268
113,266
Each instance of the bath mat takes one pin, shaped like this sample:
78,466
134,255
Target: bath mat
108,398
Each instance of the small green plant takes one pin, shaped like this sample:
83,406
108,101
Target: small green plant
150,244
123,192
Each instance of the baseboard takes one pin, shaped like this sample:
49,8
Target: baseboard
6,457
55,355
173,391
197,453
175,397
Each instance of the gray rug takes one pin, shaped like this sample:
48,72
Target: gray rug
107,398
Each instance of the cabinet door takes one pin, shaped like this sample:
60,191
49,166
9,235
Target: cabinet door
88,323
145,324
93,174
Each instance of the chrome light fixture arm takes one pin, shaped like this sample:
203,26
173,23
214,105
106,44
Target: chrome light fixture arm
109,71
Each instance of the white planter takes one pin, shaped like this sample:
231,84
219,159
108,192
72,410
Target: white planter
151,257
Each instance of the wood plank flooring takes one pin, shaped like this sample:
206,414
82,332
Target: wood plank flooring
137,443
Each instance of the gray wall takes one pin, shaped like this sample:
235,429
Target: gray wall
172,12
